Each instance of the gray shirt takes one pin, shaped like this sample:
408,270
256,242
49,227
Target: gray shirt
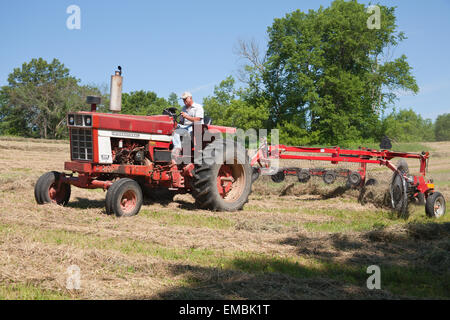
196,111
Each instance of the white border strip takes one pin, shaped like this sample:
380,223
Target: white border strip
134,135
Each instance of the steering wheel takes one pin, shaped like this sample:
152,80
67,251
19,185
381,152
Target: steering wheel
172,112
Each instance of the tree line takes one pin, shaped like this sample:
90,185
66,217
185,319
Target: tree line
324,78
40,94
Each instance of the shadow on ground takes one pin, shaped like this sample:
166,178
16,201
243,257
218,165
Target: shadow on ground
414,256
84,203
414,262
218,283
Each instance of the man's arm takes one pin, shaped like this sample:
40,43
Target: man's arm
192,119
198,114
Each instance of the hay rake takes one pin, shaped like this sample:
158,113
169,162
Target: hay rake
403,189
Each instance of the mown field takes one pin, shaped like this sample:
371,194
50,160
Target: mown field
291,241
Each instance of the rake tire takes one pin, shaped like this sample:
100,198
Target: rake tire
399,190
435,205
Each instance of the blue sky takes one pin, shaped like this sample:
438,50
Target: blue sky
173,46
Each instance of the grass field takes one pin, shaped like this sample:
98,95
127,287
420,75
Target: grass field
291,241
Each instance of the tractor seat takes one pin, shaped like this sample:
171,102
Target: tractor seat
207,121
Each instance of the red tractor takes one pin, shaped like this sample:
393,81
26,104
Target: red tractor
131,156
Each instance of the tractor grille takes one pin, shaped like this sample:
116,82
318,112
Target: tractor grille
81,144
78,120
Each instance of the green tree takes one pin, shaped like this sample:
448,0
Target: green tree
143,103
13,121
173,100
326,73
408,126
38,97
292,135
442,127
230,107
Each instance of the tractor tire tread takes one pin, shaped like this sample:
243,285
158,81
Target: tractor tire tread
204,179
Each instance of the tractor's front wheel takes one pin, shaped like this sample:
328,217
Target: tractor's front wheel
48,189
124,198
224,179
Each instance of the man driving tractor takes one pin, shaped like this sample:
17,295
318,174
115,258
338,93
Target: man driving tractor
191,113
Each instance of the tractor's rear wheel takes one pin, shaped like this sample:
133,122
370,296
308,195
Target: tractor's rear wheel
223,181
48,190
124,198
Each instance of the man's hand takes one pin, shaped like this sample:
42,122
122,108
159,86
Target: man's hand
189,118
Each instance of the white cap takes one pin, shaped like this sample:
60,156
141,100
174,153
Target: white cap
186,95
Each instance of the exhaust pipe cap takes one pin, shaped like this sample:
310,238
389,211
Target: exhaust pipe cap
93,100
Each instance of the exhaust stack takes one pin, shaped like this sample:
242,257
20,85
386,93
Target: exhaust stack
115,104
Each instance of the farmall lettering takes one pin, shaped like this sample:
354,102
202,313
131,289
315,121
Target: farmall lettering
125,134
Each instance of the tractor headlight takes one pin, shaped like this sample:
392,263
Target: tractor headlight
87,121
71,119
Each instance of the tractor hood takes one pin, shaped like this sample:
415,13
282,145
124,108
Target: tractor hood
158,124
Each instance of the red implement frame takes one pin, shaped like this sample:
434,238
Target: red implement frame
266,153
